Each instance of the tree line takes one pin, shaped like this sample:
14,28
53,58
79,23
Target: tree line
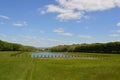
6,46
110,47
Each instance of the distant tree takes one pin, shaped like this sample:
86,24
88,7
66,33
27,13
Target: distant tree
6,46
111,47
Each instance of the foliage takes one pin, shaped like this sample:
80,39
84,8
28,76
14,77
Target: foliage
111,47
6,46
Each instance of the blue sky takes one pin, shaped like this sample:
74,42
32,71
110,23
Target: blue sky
46,23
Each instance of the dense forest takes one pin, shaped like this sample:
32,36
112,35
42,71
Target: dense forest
111,47
6,46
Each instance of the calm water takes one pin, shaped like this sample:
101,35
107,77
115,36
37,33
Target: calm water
50,54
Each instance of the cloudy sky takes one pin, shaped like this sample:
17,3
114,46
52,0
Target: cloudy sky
46,23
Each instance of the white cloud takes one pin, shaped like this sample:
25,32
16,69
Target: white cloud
20,24
114,35
118,24
85,37
61,31
4,17
66,34
75,9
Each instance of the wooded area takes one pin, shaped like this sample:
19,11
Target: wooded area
6,46
111,47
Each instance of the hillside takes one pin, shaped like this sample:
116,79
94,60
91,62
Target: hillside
110,47
7,46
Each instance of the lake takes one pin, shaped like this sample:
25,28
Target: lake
50,55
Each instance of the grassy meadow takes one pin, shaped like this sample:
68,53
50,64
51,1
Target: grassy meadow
88,66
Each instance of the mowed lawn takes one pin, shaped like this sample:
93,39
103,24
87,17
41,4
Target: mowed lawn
88,66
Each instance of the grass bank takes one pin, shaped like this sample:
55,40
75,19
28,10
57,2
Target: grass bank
23,67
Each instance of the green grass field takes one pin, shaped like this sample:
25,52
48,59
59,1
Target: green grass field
88,66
